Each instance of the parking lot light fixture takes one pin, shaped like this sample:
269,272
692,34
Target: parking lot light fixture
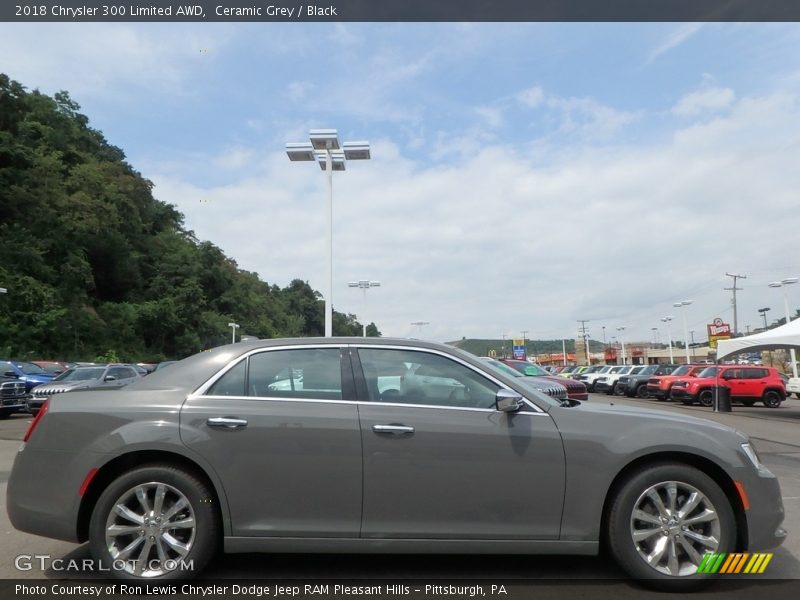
622,343
420,325
763,312
782,284
684,304
666,320
324,148
234,327
364,285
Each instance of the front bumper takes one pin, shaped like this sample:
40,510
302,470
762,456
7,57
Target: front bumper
682,394
766,514
656,392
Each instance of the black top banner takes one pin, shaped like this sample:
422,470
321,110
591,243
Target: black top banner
400,10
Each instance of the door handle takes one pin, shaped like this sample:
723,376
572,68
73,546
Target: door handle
226,422
394,429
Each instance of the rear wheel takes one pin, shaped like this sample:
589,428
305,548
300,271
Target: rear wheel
153,521
664,519
706,398
772,399
748,402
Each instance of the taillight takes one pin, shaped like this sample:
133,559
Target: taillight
36,420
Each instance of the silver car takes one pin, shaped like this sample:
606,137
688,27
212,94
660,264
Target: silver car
357,459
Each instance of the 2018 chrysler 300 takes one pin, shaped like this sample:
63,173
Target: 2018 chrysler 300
381,445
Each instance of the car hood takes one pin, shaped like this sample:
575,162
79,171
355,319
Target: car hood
624,416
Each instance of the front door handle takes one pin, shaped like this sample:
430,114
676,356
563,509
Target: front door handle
226,422
394,429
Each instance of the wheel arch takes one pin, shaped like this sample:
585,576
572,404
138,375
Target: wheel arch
119,465
701,463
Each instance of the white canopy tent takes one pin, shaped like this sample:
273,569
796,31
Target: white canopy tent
785,336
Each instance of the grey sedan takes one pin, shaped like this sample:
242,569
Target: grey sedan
356,451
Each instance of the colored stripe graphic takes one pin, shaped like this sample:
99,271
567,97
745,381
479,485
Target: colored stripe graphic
734,563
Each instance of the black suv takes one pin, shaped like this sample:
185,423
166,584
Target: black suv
12,396
636,385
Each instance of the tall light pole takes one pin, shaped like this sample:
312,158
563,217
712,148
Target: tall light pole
684,304
324,148
420,325
763,312
622,341
666,320
782,284
364,284
655,335
234,327
525,343
691,332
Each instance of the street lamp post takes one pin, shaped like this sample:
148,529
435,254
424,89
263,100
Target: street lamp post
622,342
684,304
324,148
782,284
234,327
763,312
364,285
420,325
691,332
666,320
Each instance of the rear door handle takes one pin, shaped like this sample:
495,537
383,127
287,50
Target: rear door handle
226,423
394,429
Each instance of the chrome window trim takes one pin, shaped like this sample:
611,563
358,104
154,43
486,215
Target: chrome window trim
201,391
368,403
448,356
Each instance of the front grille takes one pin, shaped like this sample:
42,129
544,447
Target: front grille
653,381
12,389
624,380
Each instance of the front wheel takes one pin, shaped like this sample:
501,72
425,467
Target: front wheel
641,391
664,519
706,398
155,522
772,399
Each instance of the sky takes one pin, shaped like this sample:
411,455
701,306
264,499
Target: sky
523,175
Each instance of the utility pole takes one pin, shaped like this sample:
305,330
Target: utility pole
583,323
733,289
525,343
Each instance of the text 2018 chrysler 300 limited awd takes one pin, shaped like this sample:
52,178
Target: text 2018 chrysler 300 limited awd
381,445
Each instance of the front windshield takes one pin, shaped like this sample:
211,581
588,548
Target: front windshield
529,384
84,374
684,370
709,372
30,368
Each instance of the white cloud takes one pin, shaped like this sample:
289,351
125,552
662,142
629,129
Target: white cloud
707,99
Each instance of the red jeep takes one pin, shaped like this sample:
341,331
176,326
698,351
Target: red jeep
659,386
746,383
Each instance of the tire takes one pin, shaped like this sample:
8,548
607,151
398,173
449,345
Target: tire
748,402
798,395
194,542
772,399
687,401
612,391
706,398
5,414
670,565
641,391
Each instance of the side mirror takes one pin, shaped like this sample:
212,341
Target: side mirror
508,401
109,378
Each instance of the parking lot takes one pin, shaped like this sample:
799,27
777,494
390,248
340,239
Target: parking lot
775,432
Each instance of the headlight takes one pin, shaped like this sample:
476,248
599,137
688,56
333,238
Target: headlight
751,453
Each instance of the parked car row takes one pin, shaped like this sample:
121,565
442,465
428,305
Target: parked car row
25,386
690,384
